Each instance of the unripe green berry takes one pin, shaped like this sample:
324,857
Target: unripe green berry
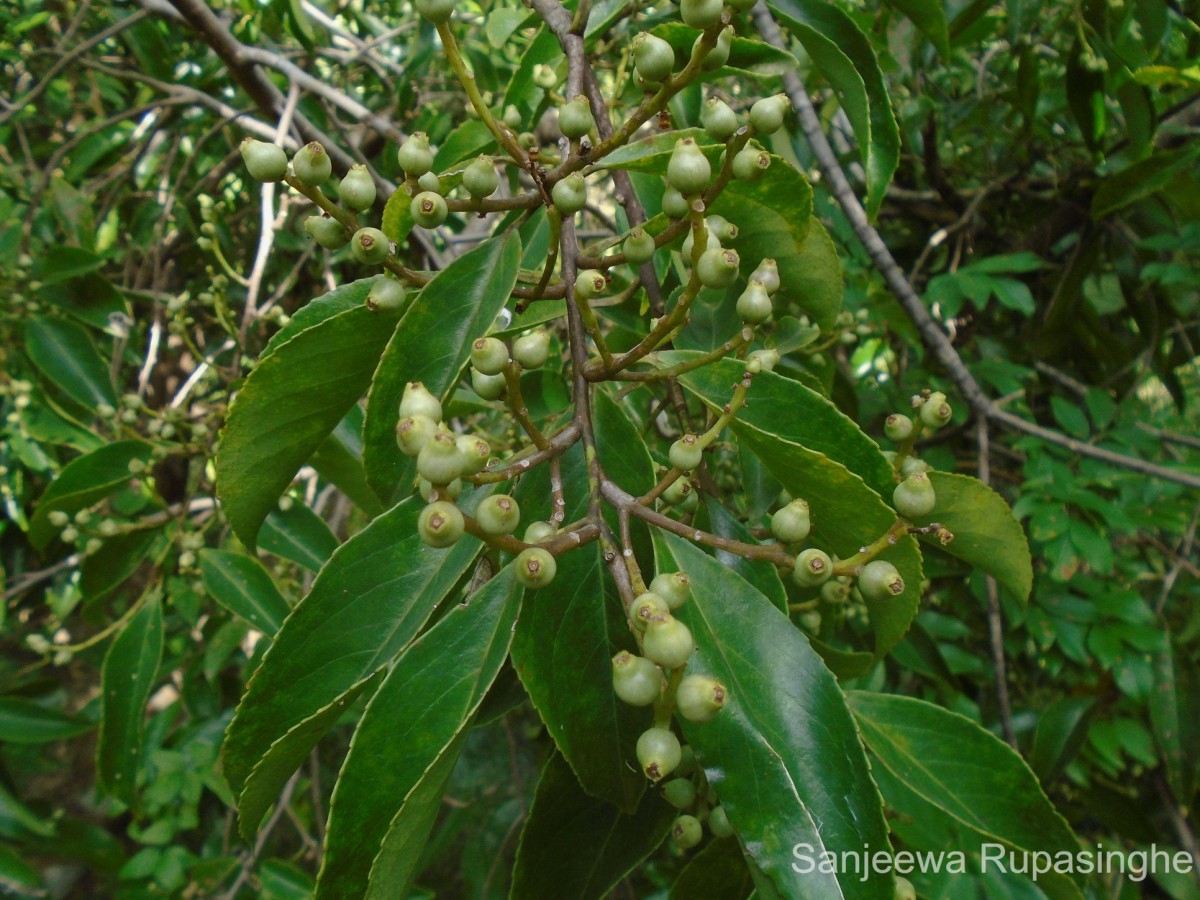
717,268
688,169
701,13
680,793
440,524
636,680
539,531
914,497
512,117
638,247
545,76
811,621
265,162
699,698
674,204
721,227
766,115
658,752
768,273
590,283
489,387
430,491
428,209
329,233
685,454
58,518
430,182
898,427
575,118
678,493
834,592
687,761
935,411
792,523
356,190
417,401
686,832
412,433
535,567
475,453
766,359
712,242
480,178
718,823
754,304
653,57
498,514
532,350
667,642
489,355
750,163
813,567
312,164
570,194
436,11
386,296
880,580
912,465
673,587
645,607
719,54
719,120
370,246
439,459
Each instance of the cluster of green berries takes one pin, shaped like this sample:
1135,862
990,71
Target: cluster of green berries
491,357
690,793
914,496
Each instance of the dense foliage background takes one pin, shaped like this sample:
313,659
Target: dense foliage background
1045,207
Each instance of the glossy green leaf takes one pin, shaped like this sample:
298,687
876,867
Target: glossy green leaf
287,407
368,602
402,733
762,575
564,819
17,877
25,722
117,561
65,354
783,755
245,588
968,773
986,533
126,679
83,481
569,631
792,412
1175,716
432,345
1140,179
400,856
339,460
298,534
930,17
718,872
342,298
845,57
1061,731
465,142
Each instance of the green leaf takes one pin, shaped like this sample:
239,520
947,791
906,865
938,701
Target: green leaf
793,413
118,560
986,533
398,220
563,820
761,575
432,345
284,881
783,755
845,57
288,405
339,460
297,534
424,702
467,141
1140,179
17,877
62,263
245,588
341,299
968,773
930,17
83,481
569,630
125,682
25,722
1085,98
368,602
65,354
1175,717
400,856
718,872
1061,732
